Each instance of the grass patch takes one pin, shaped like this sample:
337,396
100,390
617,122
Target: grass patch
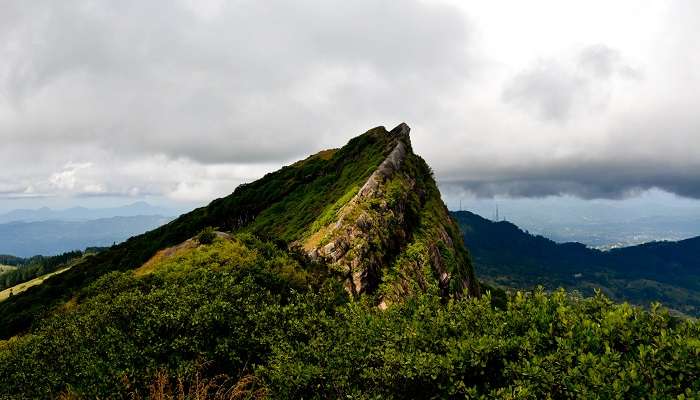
6,268
5,294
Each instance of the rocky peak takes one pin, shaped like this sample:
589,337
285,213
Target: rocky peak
394,235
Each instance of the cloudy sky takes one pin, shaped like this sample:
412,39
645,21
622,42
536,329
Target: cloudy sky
181,101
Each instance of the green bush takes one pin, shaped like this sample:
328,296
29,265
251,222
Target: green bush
541,346
206,235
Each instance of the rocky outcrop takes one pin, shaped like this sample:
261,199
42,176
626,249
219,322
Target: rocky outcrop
349,240
391,164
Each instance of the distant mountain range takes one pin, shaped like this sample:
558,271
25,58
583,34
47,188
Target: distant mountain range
25,239
507,256
83,214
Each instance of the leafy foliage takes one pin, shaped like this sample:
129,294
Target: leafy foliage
225,303
541,346
206,235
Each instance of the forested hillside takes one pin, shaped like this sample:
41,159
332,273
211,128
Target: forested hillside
32,267
504,254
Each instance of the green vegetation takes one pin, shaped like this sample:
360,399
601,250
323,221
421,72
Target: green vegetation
246,309
330,213
6,268
324,182
11,260
506,256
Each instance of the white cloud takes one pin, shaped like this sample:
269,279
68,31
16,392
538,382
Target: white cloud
187,99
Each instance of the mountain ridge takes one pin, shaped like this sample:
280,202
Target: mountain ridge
226,302
51,237
402,239
83,213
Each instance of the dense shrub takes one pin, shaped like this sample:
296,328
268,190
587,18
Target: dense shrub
221,306
206,235
541,346
245,308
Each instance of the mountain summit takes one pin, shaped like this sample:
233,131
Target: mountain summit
369,212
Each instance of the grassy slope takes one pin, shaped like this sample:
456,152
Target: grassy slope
281,205
17,289
5,268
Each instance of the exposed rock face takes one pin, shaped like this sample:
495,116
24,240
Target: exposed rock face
356,228
373,230
391,164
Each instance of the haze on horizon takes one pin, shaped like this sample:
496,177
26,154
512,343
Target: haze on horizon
106,103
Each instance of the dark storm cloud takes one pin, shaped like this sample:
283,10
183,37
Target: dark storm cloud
606,179
585,189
